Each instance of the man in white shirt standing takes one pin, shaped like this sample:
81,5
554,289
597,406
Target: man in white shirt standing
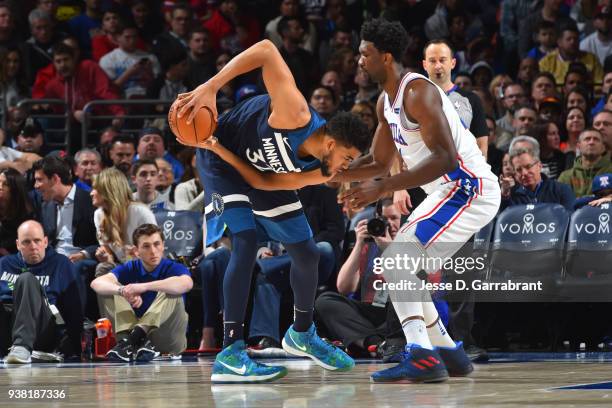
600,42
130,69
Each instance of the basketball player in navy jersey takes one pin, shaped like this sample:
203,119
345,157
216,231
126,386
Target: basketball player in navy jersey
281,136
416,118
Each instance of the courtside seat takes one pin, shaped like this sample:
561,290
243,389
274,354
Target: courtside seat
528,244
588,263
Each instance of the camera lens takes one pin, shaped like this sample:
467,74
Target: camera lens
377,227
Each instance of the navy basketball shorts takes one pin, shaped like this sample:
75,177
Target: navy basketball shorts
231,202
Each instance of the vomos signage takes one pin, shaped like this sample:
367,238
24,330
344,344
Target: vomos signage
528,226
591,228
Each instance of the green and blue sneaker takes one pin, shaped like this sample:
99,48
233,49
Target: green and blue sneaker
309,344
233,365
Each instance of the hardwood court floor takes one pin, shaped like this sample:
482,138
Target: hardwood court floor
510,380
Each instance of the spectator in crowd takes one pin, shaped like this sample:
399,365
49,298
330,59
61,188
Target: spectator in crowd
116,217
107,41
527,71
575,123
291,8
367,90
39,289
606,89
173,80
165,183
513,12
362,324
553,160
546,40
438,62
513,98
44,75
550,109
325,219
524,118
149,24
494,155
533,186
189,194
15,208
436,26
543,86
341,37
603,123
332,79
8,34
201,58
66,212
14,159
464,81
30,139
507,180
367,113
496,88
38,49
344,62
181,20
324,100
130,69
601,189
557,62
145,176
549,11
576,76
599,43
121,154
301,63
591,162
13,84
80,82
86,24
145,297
151,146
88,164
577,97
224,23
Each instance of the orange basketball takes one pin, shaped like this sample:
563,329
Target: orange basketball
200,129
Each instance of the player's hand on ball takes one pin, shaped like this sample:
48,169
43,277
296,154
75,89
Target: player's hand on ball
363,194
204,95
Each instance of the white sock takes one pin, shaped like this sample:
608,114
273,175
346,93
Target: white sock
435,328
416,333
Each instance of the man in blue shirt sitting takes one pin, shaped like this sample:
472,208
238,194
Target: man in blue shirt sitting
534,187
143,298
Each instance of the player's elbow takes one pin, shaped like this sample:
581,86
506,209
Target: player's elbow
449,162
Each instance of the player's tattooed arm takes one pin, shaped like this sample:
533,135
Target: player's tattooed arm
267,181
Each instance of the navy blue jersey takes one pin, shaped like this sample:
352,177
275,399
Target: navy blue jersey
229,201
245,131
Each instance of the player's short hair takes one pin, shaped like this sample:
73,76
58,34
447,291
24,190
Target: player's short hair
146,230
386,36
349,130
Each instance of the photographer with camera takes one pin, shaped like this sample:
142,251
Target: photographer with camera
365,324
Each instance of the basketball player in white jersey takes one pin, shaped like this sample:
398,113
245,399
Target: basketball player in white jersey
417,119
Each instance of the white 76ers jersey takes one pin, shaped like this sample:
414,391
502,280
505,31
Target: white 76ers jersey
408,140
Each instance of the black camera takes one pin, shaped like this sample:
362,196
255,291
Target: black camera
377,226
